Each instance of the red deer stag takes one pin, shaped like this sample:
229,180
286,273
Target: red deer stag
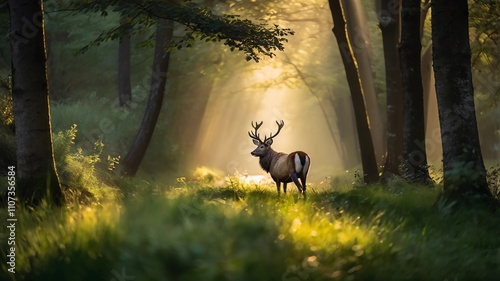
284,168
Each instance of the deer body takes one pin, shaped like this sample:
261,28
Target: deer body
284,168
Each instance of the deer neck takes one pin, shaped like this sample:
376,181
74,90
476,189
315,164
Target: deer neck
266,160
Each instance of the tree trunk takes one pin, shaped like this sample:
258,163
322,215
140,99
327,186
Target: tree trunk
369,163
414,155
36,173
389,25
124,88
360,44
464,172
134,157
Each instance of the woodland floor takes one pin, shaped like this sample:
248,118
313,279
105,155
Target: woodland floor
197,231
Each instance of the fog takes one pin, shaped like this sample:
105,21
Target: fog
224,144
297,87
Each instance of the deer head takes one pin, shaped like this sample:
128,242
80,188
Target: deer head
263,146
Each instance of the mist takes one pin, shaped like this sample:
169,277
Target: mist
289,87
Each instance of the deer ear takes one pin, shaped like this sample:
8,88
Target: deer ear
269,141
256,142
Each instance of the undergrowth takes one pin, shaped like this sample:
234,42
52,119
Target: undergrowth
102,120
201,230
79,176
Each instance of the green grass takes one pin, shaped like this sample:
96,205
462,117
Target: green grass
195,231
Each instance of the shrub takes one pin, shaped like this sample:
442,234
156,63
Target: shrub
77,170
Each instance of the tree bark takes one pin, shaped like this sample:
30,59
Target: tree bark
389,25
464,172
415,168
361,47
368,160
124,88
37,177
134,157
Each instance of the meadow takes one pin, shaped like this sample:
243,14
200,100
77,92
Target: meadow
195,230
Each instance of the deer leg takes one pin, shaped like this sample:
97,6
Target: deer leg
296,181
278,188
284,187
303,180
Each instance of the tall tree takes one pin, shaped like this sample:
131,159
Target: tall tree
368,160
389,22
359,38
414,153
36,171
124,57
464,172
161,60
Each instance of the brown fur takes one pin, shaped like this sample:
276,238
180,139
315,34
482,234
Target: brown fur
281,166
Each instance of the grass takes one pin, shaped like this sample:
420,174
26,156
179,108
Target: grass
197,231
205,228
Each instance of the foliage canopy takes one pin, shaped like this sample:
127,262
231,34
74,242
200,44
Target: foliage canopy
253,39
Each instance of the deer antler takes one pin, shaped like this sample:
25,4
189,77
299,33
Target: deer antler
280,126
254,135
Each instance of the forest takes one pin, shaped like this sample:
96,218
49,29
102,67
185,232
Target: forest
250,140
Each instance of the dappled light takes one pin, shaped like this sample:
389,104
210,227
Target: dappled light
325,231
68,236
